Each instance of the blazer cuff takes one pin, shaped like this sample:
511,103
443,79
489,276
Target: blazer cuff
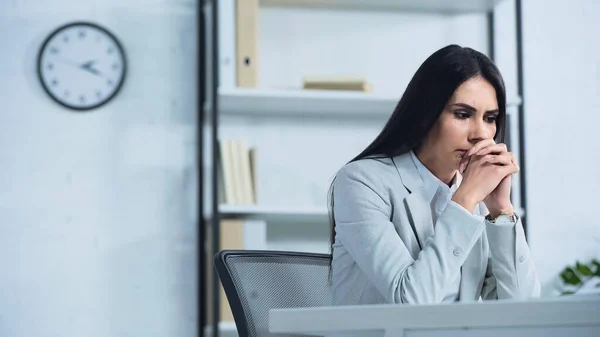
465,227
459,209
501,238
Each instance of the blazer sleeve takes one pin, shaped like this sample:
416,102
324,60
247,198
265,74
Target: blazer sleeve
510,273
362,210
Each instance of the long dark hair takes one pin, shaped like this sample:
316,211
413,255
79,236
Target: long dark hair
425,97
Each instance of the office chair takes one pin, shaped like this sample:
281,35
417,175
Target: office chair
257,281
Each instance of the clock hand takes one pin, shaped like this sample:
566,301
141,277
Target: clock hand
88,66
85,66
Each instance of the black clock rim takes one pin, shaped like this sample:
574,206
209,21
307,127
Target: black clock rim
88,24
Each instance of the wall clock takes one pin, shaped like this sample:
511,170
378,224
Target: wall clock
81,66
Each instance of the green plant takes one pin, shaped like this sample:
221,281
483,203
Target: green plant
575,277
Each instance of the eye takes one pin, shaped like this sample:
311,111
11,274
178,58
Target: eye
491,119
461,114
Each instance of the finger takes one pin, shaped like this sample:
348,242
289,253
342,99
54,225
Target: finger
494,148
463,165
497,159
512,157
477,147
480,145
508,169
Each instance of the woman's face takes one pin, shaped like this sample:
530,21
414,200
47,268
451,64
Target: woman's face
469,117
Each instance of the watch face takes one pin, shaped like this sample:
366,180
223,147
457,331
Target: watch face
81,66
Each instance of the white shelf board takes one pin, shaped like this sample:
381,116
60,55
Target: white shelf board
275,214
324,103
226,329
332,103
432,6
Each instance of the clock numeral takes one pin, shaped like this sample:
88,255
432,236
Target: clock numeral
50,66
54,82
66,38
81,98
98,94
110,83
115,66
67,93
81,34
54,50
110,50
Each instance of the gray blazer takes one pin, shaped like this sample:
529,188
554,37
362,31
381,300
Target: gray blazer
386,250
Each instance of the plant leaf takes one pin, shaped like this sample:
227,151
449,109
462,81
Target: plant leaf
570,277
596,264
583,269
567,293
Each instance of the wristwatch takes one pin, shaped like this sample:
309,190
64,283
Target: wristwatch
502,219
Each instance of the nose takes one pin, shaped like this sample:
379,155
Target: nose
479,131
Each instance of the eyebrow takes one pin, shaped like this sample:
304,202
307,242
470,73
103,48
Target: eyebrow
472,109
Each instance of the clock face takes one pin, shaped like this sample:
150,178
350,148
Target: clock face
81,66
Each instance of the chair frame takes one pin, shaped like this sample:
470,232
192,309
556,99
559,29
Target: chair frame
232,293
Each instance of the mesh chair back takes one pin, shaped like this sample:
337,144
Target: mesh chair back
258,281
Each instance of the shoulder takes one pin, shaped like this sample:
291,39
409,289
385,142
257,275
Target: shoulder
363,183
370,173
367,169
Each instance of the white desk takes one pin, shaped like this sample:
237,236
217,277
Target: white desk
543,317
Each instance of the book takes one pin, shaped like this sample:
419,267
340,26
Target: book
336,83
237,173
247,43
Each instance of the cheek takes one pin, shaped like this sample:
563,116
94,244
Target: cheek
454,130
492,131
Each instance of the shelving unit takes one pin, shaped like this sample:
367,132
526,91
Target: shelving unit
266,102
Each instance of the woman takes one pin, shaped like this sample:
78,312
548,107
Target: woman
423,214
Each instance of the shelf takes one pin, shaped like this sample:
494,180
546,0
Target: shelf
430,6
279,215
283,103
323,103
226,329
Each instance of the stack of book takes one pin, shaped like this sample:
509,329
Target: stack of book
336,83
237,173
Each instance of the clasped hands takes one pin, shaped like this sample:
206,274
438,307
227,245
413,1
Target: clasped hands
487,170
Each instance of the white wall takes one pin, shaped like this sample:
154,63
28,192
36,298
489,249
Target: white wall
97,222
562,86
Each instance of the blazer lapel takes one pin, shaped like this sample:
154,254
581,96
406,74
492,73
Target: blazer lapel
416,203
419,214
